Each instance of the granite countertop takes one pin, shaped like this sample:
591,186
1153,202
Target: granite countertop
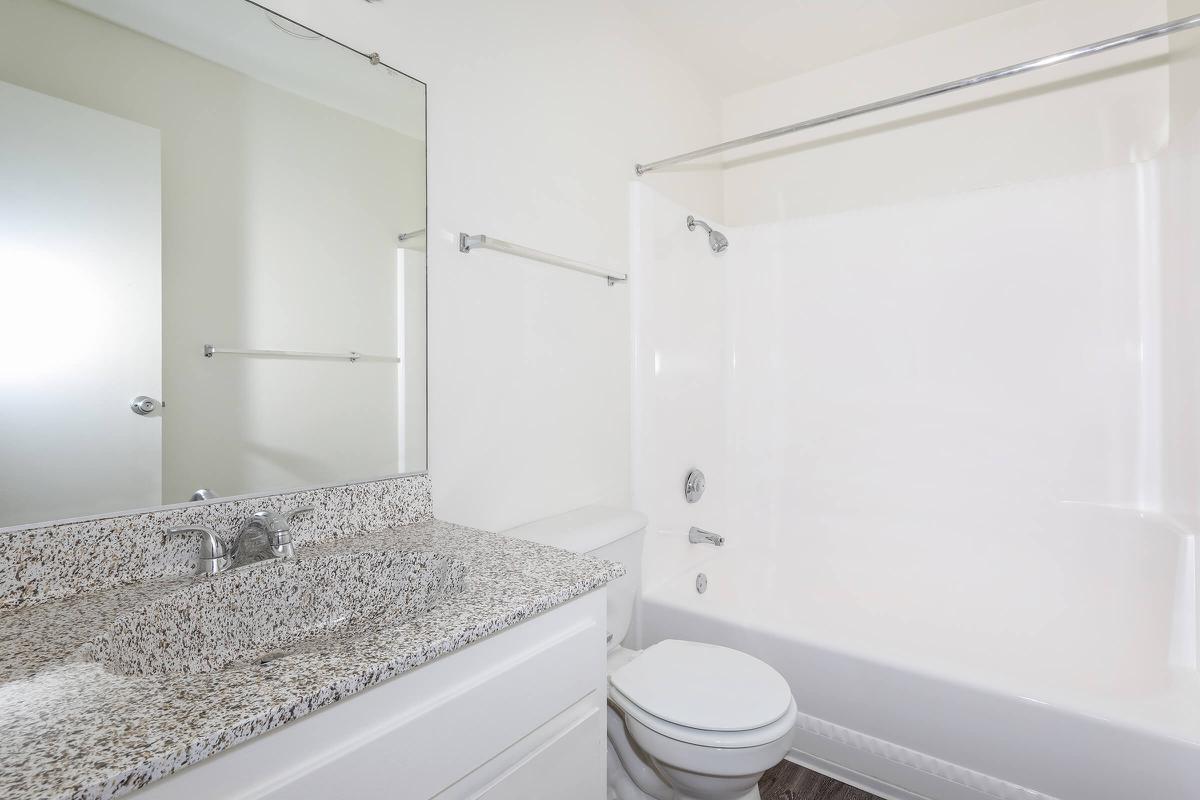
70,728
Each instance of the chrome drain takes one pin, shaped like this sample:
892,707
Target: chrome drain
271,655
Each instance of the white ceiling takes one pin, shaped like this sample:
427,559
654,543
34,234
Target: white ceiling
737,45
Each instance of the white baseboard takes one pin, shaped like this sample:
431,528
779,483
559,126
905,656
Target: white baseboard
891,771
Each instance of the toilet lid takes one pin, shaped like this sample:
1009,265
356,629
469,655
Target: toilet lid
704,686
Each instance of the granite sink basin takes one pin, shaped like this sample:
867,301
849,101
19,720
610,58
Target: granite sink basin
254,614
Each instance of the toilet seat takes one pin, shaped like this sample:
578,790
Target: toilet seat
728,740
704,694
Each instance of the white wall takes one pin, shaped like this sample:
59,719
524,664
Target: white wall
537,112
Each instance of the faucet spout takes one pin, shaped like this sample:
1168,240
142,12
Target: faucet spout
700,536
266,534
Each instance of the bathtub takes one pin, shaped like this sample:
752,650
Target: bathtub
958,657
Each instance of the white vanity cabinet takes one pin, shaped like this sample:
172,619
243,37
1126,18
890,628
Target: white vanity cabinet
518,715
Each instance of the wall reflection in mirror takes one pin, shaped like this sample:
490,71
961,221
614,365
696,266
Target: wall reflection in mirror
176,174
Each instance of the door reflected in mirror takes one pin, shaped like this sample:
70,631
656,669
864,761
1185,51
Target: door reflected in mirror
221,212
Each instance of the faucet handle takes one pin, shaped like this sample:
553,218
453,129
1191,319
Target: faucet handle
214,553
280,541
298,512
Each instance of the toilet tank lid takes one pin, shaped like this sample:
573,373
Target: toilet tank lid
582,530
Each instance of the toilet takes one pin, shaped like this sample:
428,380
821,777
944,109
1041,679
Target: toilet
686,720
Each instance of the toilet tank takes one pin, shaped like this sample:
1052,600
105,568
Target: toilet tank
614,534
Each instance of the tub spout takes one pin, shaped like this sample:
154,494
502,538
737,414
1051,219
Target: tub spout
698,536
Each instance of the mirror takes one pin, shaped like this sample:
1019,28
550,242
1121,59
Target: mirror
205,208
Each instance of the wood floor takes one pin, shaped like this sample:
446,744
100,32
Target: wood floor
790,781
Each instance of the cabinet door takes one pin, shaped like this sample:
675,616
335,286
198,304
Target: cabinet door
417,752
566,766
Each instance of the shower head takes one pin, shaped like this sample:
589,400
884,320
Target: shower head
716,239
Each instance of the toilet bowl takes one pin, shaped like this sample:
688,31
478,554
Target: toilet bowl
686,720
692,721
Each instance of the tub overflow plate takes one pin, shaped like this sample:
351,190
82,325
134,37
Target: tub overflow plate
701,583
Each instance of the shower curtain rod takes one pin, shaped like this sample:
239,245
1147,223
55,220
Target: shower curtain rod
1092,49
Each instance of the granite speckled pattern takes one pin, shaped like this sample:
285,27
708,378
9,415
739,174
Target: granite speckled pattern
58,560
240,616
69,728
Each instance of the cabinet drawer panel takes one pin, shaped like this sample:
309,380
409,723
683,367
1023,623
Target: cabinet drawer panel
572,765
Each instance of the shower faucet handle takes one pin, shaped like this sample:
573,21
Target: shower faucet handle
699,536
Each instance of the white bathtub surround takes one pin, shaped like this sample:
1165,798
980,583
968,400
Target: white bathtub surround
943,383
985,348
682,380
1179,173
1023,308
976,350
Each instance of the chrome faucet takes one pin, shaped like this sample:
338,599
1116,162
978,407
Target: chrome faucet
266,534
698,536
214,553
